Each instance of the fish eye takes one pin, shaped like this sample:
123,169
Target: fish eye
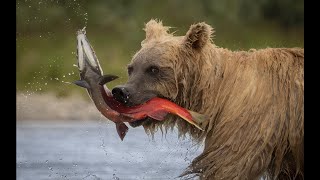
153,70
130,69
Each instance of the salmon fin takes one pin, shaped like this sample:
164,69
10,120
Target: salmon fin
122,130
82,83
107,78
158,115
197,119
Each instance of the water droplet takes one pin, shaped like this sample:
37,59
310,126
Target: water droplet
75,65
69,74
56,79
50,168
40,35
47,161
45,83
115,177
64,76
39,89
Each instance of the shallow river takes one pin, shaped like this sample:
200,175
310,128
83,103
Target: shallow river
93,150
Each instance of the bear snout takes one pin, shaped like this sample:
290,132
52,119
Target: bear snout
121,94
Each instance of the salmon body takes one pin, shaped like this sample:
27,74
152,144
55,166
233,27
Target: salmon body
92,78
157,108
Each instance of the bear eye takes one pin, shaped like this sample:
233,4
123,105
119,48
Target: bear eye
153,70
130,69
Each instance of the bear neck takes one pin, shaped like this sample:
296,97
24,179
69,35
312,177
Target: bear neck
205,84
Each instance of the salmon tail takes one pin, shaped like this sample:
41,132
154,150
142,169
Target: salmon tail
197,119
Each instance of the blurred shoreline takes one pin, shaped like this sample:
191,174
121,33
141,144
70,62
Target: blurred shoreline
47,106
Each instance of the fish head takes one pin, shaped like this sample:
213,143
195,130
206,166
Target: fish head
91,74
88,63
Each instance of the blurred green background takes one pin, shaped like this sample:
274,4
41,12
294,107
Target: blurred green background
46,32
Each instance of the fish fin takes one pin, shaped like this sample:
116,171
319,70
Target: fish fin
158,115
107,78
197,119
82,83
122,130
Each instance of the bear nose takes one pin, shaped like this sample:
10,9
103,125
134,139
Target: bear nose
121,94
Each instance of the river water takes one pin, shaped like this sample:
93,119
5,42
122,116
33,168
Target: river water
93,150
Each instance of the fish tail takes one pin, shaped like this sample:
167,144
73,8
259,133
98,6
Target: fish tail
197,119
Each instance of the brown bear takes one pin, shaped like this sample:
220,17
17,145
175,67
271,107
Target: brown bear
254,100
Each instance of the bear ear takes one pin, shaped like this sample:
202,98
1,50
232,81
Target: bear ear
198,35
155,30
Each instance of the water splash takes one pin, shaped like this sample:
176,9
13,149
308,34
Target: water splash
114,177
66,82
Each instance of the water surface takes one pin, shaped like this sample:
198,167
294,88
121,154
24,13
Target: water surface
93,150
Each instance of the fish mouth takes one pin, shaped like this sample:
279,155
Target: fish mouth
86,56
